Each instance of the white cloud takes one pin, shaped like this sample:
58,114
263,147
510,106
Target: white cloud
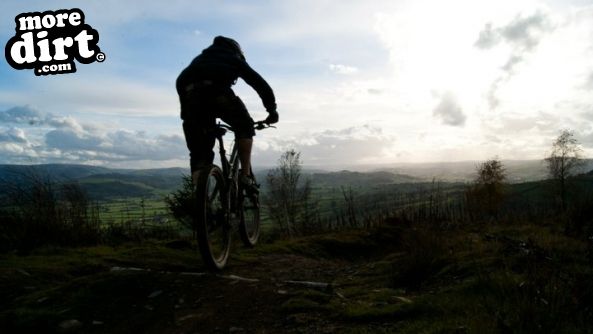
28,115
342,69
488,37
13,135
14,152
117,145
72,140
21,114
526,32
346,146
15,146
522,34
449,111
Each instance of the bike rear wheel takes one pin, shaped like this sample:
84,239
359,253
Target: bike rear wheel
211,223
249,227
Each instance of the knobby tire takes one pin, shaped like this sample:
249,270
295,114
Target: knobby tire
249,226
213,230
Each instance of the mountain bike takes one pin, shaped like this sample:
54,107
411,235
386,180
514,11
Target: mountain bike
223,204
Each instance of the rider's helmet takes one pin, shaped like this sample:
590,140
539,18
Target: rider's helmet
230,44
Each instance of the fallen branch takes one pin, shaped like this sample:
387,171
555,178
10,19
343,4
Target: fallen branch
134,269
239,278
315,285
128,269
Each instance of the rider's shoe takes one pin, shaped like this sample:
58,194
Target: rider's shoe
248,183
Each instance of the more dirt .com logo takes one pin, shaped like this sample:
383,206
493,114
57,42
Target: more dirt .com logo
49,42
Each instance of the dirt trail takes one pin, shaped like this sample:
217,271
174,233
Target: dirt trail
248,297
286,287
229,304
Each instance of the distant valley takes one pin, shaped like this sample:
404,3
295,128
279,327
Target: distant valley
103,183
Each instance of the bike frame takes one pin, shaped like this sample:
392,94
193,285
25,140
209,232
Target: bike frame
230,167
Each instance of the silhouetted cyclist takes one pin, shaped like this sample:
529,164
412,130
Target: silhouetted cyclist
205,93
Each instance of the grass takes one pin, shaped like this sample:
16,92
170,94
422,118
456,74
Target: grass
52,285
104,297
464,281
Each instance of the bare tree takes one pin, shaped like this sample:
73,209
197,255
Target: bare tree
563,162
487,192
39,211
351,212
288,195
77,203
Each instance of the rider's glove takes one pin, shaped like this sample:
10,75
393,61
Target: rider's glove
272,117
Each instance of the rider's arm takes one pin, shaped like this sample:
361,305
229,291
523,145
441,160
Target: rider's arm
265,92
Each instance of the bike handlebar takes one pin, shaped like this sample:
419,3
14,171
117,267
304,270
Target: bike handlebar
260,125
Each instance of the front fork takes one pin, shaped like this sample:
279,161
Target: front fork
233,191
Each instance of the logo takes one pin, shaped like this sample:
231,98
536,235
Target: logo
49,42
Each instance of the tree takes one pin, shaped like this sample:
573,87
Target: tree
288,195
563,162
487,192
181,203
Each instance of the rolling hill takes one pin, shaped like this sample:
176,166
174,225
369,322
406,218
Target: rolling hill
100,182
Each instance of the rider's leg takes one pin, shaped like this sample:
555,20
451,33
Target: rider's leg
245,145
200,147
199,144
233,112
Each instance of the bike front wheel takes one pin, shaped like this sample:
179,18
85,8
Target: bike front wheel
211,223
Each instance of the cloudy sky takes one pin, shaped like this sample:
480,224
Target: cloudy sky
357,82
